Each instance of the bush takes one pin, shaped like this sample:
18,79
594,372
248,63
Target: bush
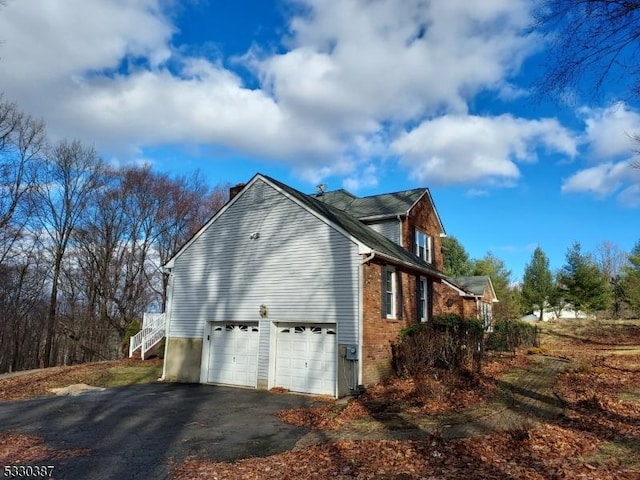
509,335
449,342
134,327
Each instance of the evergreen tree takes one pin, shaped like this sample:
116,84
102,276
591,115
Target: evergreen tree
630,282
582,283
456,258
508,306
537,286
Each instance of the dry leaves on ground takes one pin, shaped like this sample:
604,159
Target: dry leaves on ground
426,396
20,449
540,454
35,384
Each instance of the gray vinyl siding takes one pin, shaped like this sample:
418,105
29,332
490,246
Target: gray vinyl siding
302,269
388,228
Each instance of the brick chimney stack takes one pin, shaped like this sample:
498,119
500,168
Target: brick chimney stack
233,191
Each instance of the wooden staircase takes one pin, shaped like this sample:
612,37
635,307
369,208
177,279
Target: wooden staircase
153,330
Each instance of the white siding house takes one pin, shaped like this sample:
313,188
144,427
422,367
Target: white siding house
269,293
263,268
392,229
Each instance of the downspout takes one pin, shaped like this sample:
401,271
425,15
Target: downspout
167,327
369,258
361,319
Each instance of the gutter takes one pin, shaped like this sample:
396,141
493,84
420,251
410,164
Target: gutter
401,262
369,258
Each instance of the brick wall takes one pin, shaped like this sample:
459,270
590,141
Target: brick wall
447,300
378,333
423,217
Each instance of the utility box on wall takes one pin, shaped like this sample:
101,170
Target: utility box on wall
351,352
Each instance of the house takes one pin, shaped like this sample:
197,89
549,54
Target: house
302,292
469,297
564,312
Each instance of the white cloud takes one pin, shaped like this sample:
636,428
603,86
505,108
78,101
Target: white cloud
608,139
366,177
465,148
630,196
352,75
477,192
609,130
606,179
57,40
355,63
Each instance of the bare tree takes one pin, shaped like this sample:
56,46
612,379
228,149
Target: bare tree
611,259
191,205
592,41
72,174
22,140
22,309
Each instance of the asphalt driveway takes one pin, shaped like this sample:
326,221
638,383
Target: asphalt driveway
135,432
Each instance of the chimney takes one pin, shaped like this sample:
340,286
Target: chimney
233,191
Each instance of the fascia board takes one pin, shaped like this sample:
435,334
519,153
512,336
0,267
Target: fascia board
427,192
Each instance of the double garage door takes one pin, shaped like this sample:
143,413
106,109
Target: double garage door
305,356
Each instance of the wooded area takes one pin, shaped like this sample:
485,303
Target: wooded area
82,243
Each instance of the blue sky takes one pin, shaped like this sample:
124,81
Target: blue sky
357,94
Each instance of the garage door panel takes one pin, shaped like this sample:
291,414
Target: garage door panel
233,355
306,358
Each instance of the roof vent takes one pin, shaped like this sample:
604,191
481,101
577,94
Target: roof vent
320,189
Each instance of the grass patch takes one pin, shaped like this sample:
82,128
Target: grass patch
129,374
632,396
624,454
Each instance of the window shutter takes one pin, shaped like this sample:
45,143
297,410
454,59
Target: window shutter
413,245
418,298
398,293
429,312
383,292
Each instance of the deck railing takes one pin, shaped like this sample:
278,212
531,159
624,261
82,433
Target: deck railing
153,330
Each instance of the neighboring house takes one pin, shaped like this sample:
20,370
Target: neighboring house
564,313
470,297
302,292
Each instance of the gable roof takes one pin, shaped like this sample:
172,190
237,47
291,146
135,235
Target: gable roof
365,235
475,285
386,205
380,244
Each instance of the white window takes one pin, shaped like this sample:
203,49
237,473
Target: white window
423,243
422,299
486,314
390,293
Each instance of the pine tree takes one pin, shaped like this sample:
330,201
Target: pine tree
537,286
582,283
630,282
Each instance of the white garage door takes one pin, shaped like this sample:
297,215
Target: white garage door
233,354
306,358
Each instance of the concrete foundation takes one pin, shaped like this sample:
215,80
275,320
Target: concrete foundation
183,356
